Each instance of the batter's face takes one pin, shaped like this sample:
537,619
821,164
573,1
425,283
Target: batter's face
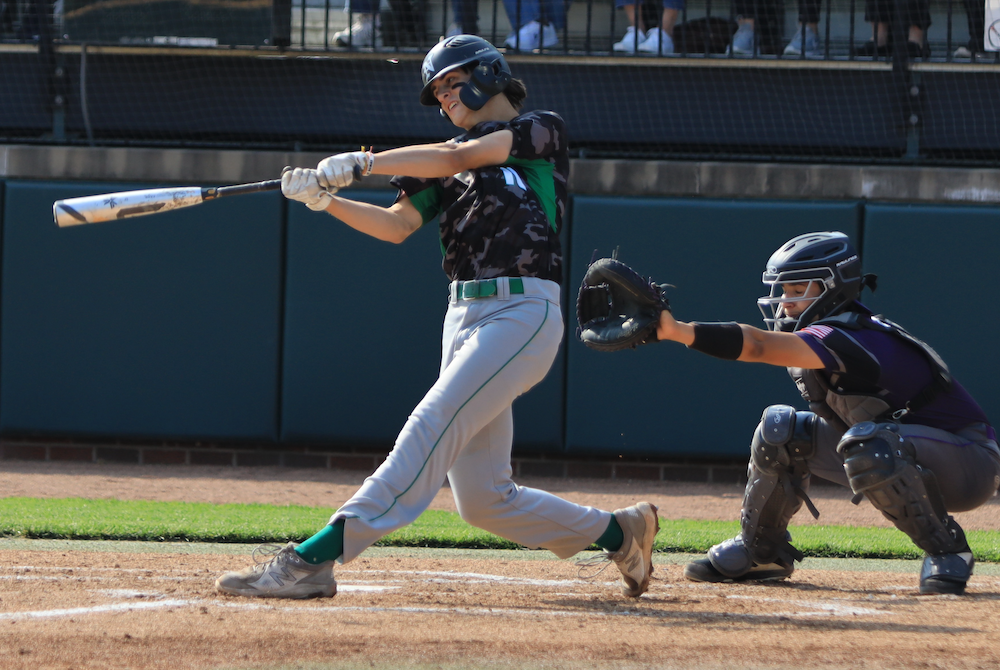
795,298
445,89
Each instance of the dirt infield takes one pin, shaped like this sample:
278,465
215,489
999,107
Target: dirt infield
72,605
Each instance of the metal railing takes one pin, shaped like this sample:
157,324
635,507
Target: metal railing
703,28
266,73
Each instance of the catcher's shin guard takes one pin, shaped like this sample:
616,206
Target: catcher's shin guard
777,480
881,465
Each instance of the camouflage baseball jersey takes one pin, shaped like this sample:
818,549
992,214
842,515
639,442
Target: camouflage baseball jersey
503,220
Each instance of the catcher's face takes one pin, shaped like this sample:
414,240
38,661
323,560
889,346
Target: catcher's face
795,298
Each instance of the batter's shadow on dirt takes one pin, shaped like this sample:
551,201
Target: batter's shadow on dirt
649,608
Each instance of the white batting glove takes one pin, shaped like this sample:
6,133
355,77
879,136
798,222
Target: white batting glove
338,171
302,184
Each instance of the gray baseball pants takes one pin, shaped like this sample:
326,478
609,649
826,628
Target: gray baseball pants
965,464
493,350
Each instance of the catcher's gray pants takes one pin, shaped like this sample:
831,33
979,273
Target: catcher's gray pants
493,350
966,464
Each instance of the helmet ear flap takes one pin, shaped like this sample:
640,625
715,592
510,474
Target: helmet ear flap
487,79
491,78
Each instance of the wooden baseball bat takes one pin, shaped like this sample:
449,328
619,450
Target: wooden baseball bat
125,205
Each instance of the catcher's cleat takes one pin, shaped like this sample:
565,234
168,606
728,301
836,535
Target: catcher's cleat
702,570
635,557
947,573
284,575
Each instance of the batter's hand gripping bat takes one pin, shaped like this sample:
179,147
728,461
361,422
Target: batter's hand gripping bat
111,206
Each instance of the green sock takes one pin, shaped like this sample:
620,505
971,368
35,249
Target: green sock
326,545
613,537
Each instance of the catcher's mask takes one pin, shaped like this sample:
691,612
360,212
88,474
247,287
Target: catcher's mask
826,259
489,70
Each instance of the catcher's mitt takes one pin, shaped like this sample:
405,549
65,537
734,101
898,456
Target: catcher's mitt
617,308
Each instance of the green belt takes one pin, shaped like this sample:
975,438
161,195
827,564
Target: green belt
486,288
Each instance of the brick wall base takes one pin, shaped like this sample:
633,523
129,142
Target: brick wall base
360,459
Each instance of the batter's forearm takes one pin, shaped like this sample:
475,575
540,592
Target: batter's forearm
378,222
427,161
444,159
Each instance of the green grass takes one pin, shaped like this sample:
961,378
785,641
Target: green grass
81,519
819,541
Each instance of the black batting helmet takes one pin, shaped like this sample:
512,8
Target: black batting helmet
490,72
828,259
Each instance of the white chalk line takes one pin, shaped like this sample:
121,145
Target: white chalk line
126,593
67,569
83,578
476,577
96,609
199,602
827,609
816,608
835,607
442,576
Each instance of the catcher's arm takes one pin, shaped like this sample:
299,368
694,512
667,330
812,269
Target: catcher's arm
617,308
673,330
733,341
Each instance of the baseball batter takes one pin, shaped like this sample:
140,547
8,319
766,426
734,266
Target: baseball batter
498,193
886,419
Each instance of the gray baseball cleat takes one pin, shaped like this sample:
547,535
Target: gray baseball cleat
730,561
284,575
947,573
702,570
635,557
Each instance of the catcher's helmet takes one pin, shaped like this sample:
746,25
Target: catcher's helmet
828,259
490,72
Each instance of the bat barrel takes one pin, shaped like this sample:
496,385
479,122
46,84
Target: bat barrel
112,206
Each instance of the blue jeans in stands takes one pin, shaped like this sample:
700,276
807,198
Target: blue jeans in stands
520,12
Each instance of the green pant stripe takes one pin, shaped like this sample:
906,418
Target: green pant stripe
533,335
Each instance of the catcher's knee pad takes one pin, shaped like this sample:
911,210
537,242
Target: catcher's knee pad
783,437
777,480
880,464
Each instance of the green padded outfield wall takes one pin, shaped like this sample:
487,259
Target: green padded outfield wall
165,326
171,326
362,341
937,269
663,399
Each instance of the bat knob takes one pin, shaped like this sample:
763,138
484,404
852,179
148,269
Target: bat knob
287,168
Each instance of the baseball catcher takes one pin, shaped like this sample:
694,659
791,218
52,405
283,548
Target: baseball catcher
885,416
